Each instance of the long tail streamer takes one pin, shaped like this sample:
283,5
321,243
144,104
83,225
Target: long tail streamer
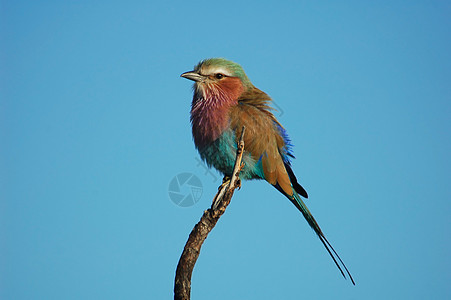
297,201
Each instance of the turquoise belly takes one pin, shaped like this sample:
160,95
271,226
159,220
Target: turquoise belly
221,155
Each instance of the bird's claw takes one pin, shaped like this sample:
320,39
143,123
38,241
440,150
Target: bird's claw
238,183
225,179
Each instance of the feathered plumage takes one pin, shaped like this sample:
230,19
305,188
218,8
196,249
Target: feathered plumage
224,101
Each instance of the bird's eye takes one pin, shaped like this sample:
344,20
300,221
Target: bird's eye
219,76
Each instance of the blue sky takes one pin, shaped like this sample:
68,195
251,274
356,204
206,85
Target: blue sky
94,125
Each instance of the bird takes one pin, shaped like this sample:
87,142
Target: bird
224,101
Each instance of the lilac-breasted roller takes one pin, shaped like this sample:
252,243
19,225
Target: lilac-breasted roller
224,101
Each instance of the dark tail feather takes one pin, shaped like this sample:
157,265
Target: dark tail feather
294,182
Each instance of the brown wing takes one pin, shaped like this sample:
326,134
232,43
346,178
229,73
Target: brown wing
262,138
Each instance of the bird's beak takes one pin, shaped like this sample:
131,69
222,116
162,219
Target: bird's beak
193,76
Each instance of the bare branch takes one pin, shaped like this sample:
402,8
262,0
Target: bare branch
182,285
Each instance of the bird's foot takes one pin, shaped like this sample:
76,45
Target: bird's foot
225,179
221,190
238,180
238,183
225,183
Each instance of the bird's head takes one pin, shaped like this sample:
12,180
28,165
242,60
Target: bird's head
218,77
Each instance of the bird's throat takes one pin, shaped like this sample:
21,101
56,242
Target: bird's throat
209,117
